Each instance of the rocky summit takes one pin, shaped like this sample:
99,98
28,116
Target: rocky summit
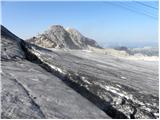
56,83
58,37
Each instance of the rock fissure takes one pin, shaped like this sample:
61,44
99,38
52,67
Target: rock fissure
34,104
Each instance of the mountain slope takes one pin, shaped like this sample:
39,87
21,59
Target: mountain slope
75,84
30,92
57,37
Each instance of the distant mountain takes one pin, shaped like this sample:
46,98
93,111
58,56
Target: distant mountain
58,37
146,51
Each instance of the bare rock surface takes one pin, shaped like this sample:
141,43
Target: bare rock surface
28,91
10,46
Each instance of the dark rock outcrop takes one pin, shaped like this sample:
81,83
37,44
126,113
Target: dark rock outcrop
10,46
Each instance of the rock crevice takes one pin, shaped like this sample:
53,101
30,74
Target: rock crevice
34,104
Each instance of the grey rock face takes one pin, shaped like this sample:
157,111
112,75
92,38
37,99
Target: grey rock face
10,46
28,91
58,37
81,41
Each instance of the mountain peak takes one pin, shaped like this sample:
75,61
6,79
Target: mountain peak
56,27
58,37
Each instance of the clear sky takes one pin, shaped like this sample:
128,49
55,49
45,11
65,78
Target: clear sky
132,24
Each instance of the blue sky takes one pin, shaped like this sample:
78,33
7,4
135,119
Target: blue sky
129,24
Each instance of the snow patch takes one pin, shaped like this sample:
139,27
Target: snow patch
123,78
85,80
